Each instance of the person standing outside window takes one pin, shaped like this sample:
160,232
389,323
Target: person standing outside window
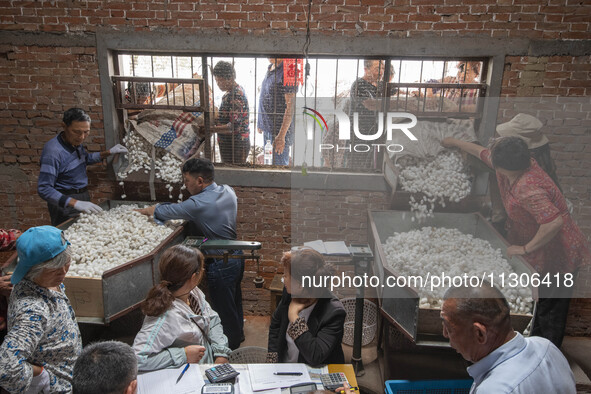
232,123
276,111
365,100
63,181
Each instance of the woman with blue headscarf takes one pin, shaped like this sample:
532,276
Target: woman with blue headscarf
43,339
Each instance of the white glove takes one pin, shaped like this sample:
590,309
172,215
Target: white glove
118,149
87,207
39,384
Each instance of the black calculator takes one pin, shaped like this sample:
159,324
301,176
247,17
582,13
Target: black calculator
221,373
332,381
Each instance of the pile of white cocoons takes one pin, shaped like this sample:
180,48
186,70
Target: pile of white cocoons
167,166
435,251
442,178
108,239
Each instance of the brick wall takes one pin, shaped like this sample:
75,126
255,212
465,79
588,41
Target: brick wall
554,19
42,78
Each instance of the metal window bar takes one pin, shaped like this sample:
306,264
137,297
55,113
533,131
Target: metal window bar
334,118
479,87
117,80
391,94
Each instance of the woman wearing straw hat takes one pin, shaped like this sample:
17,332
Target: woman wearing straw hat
529,129
43,339
539,227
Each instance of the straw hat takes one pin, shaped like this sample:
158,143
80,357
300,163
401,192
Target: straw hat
526,127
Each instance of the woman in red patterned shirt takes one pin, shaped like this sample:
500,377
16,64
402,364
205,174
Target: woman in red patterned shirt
539,226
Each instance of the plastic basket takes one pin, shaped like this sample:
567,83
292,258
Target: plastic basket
370,319
459,386
248,355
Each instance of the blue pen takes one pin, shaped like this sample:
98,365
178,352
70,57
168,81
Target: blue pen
182,373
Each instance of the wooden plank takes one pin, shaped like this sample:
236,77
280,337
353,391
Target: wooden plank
85,295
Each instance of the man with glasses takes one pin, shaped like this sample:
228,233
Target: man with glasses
63,181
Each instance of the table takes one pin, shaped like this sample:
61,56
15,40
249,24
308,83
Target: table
347,369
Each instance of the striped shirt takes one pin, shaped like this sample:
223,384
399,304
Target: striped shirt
63,167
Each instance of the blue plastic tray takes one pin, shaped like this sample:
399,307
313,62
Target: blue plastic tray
460,386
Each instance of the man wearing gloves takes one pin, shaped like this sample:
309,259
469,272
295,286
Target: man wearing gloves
63,181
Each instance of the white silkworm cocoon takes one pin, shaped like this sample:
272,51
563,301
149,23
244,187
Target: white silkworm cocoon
443,178
108,239
167,166
449,251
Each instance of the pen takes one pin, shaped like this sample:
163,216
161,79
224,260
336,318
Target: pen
355,388
288,373
202,242
182,373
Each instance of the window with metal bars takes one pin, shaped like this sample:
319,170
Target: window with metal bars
249,101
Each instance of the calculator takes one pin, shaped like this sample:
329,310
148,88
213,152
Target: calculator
332,381
221,373
217,388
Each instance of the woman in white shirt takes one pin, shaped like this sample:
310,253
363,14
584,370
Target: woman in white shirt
180,327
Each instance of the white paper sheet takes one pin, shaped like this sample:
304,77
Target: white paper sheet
334,248
164,381
317,245
262,376
315,375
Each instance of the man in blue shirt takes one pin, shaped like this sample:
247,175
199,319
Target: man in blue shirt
477,322
63,182
212,210
276,111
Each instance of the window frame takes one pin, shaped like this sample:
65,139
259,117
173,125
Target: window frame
109,43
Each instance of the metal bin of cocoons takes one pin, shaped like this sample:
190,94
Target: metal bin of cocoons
400,305
120,289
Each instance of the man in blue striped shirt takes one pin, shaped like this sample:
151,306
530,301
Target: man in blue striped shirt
63,182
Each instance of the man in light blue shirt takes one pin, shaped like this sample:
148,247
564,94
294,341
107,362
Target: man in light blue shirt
212,210
477,322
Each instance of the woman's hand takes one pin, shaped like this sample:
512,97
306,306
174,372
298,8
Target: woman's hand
345,388
221,360
194,353
37,369
515,250
296,306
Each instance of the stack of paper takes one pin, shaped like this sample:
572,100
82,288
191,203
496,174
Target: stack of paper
334,248
165,381
264,376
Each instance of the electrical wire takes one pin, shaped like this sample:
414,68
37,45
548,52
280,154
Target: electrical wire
306,75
